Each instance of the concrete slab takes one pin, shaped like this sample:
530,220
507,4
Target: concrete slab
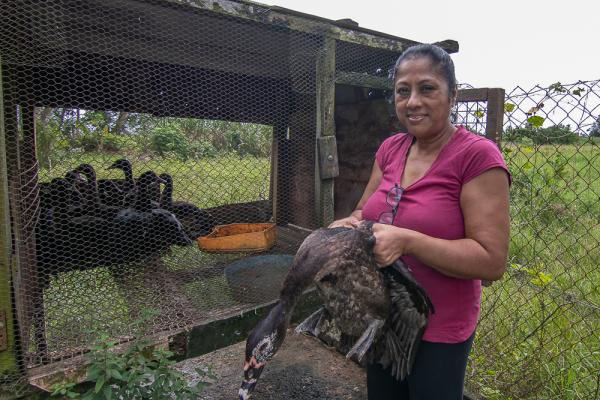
303,369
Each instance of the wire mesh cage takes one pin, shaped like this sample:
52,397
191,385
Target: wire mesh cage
132,128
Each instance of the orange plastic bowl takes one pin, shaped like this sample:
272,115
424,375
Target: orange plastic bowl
239,237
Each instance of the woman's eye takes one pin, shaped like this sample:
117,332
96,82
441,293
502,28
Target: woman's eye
403,92
427,89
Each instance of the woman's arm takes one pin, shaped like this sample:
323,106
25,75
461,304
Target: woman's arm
481,255
356,215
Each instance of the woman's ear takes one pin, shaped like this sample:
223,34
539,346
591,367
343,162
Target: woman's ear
453,97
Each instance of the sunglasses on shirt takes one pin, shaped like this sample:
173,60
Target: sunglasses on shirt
392,199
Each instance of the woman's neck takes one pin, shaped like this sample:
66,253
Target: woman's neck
433,145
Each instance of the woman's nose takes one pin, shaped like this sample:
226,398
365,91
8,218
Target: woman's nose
413,99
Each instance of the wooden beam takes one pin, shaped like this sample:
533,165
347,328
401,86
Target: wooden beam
495,115
9,355
467,95
307,23
363,80
326,165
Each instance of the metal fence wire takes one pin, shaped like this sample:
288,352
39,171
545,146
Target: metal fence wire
134,127
538,335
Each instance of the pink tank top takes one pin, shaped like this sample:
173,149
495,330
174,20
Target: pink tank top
431,205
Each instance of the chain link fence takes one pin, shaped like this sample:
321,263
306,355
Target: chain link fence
538,335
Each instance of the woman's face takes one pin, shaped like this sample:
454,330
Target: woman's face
421,98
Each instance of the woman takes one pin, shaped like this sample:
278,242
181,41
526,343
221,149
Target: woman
440,195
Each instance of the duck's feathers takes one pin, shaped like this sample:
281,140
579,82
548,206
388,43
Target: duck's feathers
357,294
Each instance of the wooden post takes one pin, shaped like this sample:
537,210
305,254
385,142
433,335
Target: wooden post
8,350
495,115
326,165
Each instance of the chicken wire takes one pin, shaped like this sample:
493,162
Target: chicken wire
135,127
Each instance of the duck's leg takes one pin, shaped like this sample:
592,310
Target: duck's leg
312,323
366,340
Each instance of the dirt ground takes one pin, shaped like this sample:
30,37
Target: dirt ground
303,369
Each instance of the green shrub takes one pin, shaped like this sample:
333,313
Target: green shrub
113,143
557,134
202,150
88,142
168,140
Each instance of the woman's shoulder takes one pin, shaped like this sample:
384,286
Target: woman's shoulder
470,142
395,141
475,154
391,147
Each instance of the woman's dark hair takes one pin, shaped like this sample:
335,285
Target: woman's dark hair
439,59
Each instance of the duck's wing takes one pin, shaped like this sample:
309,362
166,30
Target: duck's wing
418,295
410,308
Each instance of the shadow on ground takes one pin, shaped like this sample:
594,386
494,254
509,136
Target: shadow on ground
303,369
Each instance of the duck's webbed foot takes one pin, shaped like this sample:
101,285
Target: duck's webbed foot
363,344
311,324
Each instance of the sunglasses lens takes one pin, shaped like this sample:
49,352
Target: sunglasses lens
386,218
394,196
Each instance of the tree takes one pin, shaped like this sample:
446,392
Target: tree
594,131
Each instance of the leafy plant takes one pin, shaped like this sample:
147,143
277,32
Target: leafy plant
141,372
168,140
556,134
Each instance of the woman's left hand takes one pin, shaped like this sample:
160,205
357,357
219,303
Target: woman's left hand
390,243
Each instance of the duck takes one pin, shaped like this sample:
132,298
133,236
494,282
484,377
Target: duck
92,204
144,230
372,314
196,222
118,192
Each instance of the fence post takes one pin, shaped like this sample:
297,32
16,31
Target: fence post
495,115
8,348
326,166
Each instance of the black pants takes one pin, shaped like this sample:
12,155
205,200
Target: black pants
438,374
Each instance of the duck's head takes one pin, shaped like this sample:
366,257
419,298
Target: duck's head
122,164
262,344
86,170
149,180
166,177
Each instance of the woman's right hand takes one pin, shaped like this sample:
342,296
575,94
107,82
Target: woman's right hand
348,222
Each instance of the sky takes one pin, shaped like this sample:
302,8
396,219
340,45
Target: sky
502,43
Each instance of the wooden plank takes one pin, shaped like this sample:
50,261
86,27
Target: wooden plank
328,159
467,95
307,23
495,115
326,167
363,80
8,352
22,301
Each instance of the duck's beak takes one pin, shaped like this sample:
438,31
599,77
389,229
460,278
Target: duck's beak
252,371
